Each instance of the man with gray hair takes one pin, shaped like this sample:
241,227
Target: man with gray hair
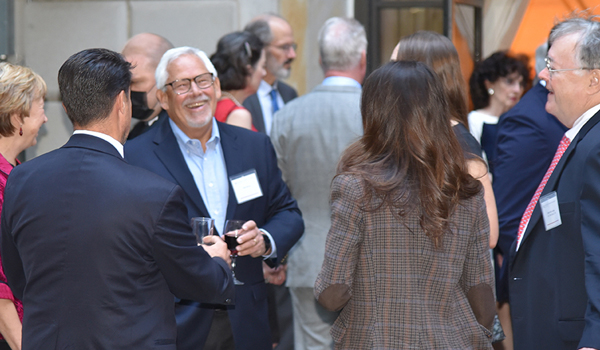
554,265
309,135
227,173
277,36
526,141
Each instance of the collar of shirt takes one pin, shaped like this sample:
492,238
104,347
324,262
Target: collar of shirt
581,121
194,145
208,169
105,137
340,81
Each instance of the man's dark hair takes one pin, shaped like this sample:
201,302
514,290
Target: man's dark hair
89,82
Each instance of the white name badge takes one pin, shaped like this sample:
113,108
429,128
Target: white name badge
246,186
550,210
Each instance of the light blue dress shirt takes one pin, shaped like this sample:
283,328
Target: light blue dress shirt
208,170
210,174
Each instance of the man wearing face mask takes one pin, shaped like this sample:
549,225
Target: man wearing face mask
144,51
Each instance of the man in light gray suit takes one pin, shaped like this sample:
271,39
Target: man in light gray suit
309,134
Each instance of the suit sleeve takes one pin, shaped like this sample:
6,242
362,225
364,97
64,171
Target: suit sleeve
590,233
333,287
189,271
477,280
283,219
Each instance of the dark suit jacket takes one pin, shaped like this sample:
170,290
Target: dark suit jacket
253,104
95,248
276,211
527,140
554,278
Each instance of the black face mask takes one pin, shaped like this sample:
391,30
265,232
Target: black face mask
139,106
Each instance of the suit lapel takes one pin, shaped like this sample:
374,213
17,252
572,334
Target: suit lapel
556,174
169,153
253,105
233,164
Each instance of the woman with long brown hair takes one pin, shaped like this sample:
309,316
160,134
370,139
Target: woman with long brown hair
407,258
439,54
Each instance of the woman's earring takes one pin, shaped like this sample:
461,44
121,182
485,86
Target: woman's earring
20,131
490,91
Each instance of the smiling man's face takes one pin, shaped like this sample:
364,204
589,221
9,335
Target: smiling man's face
192,110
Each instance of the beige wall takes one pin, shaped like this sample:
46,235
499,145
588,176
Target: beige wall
47,32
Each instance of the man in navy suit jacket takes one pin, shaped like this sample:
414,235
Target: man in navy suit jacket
208,159
93,246
554,282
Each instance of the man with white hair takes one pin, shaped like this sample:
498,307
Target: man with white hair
277,36
309,135
226,173
554,265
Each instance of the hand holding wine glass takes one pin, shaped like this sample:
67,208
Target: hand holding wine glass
250,240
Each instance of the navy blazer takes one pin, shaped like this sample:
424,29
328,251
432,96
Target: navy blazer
554,276
96,248
276,211
527,140
252,104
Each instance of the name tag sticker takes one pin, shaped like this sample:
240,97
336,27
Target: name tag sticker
246,186
550,211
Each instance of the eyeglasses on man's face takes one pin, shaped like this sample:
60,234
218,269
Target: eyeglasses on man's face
183,86
286,47
552,70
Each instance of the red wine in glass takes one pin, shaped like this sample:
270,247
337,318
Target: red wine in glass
231,233
231,240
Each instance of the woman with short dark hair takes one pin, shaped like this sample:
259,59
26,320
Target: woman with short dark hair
407,259
239,61
496,85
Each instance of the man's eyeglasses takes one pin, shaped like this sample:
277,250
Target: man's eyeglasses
183,86
286,47
552,70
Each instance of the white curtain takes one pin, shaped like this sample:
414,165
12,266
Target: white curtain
501,20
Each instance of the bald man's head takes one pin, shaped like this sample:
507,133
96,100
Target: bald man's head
144,52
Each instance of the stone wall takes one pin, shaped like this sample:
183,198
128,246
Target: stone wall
47,32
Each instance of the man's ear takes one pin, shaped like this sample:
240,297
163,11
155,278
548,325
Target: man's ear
594,79
161,96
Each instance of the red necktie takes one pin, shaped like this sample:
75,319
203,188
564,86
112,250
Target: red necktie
562,147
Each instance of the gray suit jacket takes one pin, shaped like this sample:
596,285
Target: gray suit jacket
309,134
253,104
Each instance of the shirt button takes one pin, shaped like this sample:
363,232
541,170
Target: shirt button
210,185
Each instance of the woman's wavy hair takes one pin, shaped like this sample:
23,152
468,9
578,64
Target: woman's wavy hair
19,87
409,157
499,64
235,53
439,54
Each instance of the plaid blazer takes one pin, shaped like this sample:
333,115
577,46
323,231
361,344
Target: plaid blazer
396,289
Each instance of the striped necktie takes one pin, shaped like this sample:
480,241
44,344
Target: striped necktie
562,147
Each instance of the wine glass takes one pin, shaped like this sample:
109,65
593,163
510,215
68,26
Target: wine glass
230,235
202,227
